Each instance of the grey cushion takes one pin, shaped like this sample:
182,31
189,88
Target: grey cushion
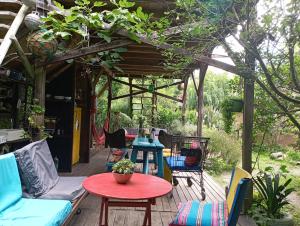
67,188
36,167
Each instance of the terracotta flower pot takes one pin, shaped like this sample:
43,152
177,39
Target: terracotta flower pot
122,178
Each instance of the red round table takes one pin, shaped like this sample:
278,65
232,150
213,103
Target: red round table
140,187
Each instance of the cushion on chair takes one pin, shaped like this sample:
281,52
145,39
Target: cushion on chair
67,188
36,212
194,213
36,167
10,184
178,163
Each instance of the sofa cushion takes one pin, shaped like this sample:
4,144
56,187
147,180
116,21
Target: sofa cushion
10,185
194,213
67,188
37,212
36,167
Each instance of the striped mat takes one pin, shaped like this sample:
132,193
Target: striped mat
192,213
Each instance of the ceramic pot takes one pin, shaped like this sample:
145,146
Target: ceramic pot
122,178
287,220
33,21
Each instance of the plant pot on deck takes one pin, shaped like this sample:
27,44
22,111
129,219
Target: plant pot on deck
122,178
287,220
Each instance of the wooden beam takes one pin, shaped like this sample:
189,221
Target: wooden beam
143,91
58,73
203,69
196,88
130,99
102,90
12,32
23,57
146,90
185,52
184,97
100,47
109,99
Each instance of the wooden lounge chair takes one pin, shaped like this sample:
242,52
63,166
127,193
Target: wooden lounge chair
19,211
40,179
194,213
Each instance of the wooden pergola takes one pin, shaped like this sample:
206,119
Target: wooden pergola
140,61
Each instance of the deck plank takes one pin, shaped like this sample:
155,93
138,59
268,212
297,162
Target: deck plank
162,213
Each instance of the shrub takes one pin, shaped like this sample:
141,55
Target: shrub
224,150
184,130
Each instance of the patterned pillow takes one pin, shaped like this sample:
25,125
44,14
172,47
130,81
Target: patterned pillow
193,213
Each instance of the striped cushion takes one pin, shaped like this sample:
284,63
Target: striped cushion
192,213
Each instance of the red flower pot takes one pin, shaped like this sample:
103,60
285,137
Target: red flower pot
122,178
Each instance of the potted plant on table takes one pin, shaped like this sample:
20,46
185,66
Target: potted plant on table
272,195
123,171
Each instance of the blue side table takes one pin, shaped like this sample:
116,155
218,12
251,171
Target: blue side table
142,144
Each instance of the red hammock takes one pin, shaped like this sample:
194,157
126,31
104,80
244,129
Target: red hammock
98,135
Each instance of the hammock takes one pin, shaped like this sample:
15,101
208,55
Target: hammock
99,135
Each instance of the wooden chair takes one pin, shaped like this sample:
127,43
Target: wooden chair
194,213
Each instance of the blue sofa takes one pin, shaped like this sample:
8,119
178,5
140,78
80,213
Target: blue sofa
18,211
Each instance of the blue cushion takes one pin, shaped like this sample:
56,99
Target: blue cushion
194,213
10,185
177,163
36,212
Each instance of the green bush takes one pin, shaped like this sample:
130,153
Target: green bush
166,117
224,150
184,130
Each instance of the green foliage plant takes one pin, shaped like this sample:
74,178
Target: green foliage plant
224,150
227,115
124,166
272,192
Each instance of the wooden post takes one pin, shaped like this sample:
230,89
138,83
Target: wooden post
183,109
248,114
23,57
130,97
14,27
203,69
109,97
39,95
154,103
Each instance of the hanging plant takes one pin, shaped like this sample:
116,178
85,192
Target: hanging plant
229,106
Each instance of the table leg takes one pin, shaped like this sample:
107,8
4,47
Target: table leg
147,218
134,155
101,212
145,162
106,212
160,161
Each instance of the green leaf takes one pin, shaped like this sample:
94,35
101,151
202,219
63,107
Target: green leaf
126,4
63,34
106,37
99,4
58,5
134,37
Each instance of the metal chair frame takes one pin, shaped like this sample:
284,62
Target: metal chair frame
182,146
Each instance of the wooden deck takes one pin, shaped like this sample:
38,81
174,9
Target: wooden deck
162,212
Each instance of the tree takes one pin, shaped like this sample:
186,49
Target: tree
271,39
